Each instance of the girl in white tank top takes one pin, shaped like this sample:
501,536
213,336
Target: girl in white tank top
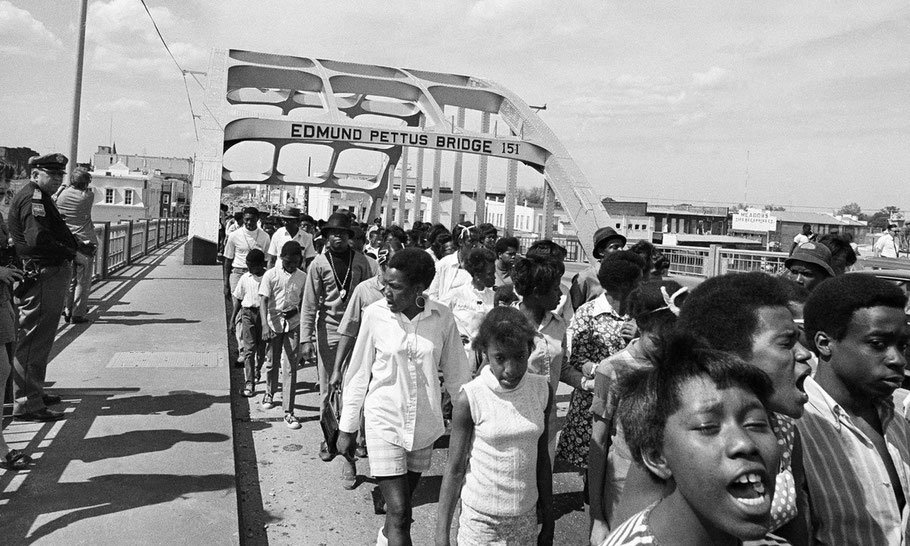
499,464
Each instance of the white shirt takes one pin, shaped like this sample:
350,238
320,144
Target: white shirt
800,239
885,246
284,290
281,236
247,290
469,306
449,275
241,242
394,374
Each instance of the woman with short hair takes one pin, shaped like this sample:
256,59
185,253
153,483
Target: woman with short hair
405,340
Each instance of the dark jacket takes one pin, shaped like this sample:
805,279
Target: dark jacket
37,229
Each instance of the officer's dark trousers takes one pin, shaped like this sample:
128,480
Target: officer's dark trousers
39,315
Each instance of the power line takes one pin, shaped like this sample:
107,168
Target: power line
182,71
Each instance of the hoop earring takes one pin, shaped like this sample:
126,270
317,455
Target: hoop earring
420,301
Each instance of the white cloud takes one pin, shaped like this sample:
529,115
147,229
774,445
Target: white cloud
714,78
123,104
496,9
125,41
22,34
689,118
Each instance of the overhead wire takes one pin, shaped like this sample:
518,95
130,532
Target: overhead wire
182,71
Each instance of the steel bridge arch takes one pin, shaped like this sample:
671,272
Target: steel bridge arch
317,101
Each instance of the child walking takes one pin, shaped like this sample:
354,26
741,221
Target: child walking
281,295
499,425
246,305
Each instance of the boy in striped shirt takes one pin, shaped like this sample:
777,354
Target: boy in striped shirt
856,447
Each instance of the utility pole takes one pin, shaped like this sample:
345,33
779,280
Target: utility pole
77,93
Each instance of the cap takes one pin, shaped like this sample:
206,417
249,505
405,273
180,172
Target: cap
602,237
812,253
49,162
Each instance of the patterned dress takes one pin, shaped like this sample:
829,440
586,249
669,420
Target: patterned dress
594,335
783,505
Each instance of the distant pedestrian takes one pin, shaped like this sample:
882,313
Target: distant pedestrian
803,236
75,203
281,298
246,314
585,286
506,252
886,245
290,231
498,460
47,248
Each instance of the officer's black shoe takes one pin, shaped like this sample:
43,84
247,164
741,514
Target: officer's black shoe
50,399
42,415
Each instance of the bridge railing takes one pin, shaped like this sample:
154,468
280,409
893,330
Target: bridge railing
119,245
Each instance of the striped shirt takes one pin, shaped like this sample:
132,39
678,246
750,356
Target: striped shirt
850,494
636,531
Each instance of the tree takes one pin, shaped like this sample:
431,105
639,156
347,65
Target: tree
534,195
882,218
850,209
773,208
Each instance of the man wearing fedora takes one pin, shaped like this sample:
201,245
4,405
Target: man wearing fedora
331,279
47,248
290,218
585,286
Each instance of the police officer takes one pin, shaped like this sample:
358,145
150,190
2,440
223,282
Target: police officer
46,247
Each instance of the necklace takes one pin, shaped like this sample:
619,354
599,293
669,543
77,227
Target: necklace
338,282
412,347
249,245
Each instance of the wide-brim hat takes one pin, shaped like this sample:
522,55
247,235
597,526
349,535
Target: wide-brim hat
340,221
812,253
290,212
602,238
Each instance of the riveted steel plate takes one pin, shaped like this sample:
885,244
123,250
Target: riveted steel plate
165,359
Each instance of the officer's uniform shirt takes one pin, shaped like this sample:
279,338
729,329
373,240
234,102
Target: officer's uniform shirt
37,229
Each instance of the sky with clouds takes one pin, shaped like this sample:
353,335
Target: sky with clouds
793,103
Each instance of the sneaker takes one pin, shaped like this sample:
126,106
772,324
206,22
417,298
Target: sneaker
267,401
348,473
291,421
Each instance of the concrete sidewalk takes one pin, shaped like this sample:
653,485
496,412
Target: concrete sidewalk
145,455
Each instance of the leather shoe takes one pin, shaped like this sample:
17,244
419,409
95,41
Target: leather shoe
50,399
325,454
42,415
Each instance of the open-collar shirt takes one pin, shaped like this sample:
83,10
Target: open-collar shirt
394,374
851,496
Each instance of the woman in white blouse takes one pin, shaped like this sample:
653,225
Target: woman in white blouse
405,340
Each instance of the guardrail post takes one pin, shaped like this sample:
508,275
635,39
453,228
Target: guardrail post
129,243
145,239
711,267
158,233
105,256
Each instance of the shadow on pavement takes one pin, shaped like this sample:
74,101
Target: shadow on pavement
143,322
140,441
175,403
42,499
127,280
100,496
